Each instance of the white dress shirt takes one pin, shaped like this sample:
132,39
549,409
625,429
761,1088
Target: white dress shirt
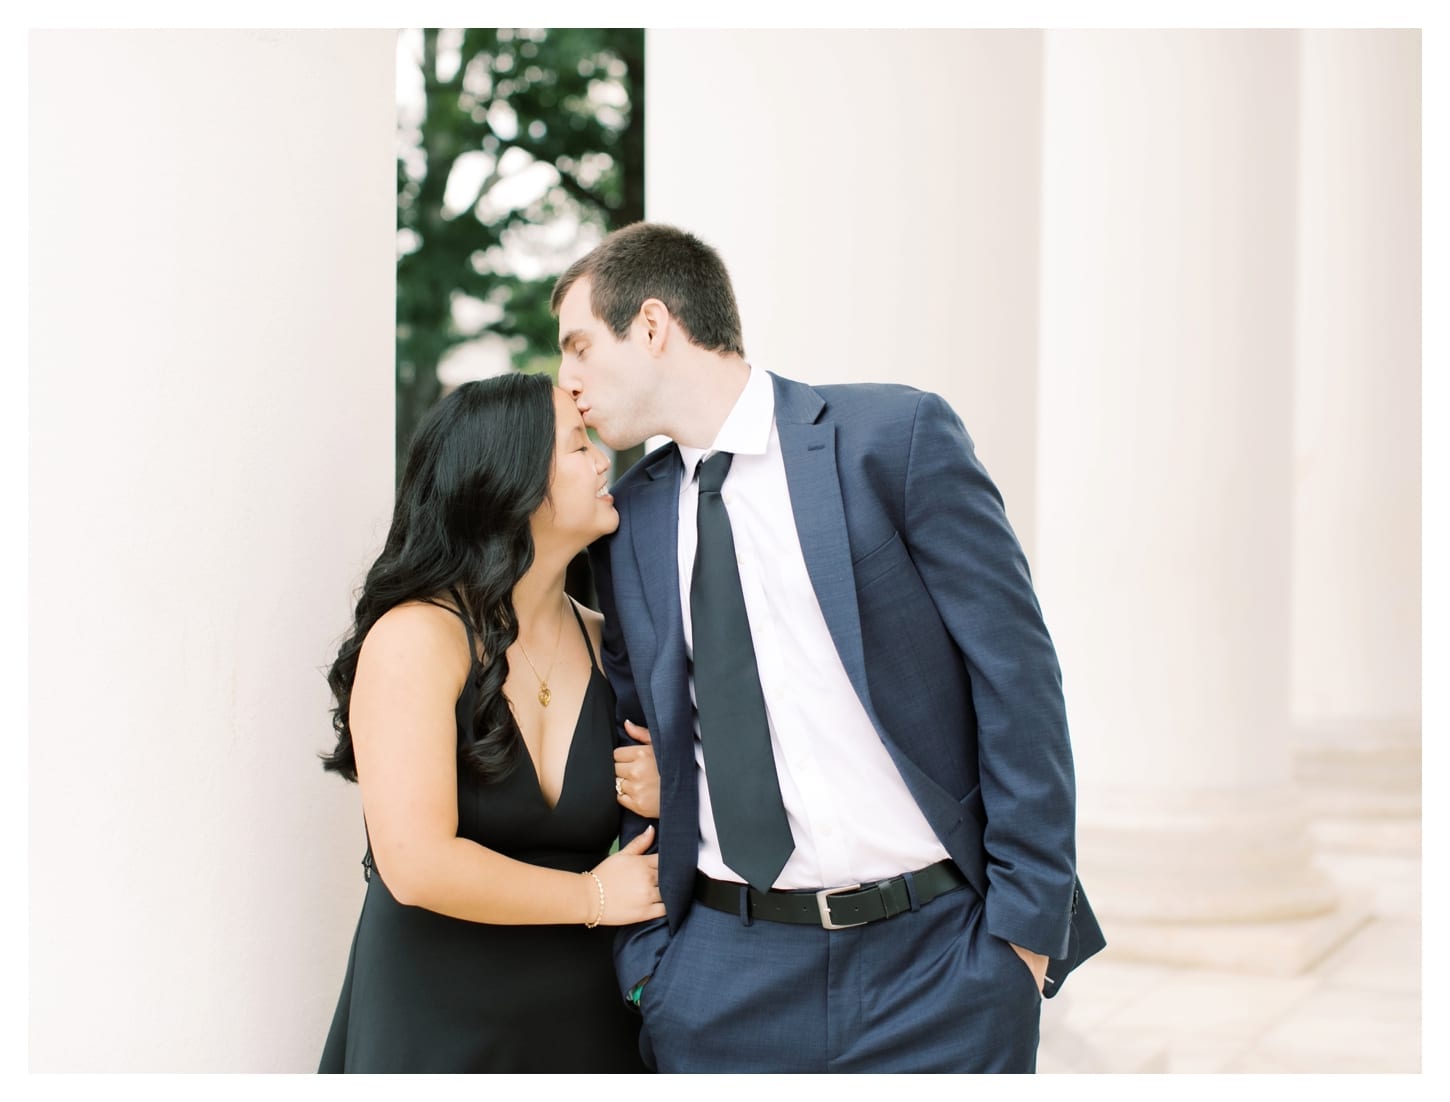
850,812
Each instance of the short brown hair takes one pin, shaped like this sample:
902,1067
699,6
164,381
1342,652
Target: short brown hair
648,260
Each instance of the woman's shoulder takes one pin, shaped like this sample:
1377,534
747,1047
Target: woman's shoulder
419,634
424,616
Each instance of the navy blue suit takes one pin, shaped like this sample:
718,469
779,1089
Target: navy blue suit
928,600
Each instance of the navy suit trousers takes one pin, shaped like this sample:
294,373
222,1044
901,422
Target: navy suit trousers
929,990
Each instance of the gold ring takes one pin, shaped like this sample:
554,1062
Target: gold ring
618,786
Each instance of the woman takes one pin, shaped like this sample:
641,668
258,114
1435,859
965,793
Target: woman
472,712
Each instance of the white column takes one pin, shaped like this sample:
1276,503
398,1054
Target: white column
211,293
875,197
1356,592
1165,486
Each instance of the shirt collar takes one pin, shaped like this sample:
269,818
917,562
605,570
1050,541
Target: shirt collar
746,430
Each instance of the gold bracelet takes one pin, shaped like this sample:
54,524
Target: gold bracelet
600,885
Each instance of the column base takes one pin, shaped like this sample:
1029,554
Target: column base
1399,836
1361,781
1199,857
1221,879
1288,947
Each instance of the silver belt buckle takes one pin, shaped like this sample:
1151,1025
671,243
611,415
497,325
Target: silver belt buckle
825,907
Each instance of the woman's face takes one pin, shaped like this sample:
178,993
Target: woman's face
577,510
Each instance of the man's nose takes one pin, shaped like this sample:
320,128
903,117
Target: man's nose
568,381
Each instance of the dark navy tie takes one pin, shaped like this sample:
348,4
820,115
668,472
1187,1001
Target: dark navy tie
750,820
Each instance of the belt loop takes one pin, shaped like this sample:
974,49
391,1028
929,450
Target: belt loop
745,919
911,890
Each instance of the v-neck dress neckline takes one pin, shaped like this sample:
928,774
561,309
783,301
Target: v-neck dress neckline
584,710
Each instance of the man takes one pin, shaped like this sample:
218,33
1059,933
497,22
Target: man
816,605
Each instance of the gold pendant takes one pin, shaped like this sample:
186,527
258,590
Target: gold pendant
544,695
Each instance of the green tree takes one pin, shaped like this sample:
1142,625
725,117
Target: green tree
539,130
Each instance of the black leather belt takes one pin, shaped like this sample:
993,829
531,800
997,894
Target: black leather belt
833,908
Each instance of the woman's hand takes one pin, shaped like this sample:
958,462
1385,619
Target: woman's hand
636,777
631,884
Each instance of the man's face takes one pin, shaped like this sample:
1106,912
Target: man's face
610,380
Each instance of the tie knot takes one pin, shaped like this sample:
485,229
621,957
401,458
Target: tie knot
713,472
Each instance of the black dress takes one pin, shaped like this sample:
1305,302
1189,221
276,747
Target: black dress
429,993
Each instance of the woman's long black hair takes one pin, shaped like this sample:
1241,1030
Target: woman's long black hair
477,468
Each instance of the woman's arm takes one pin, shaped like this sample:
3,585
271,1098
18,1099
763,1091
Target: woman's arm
410,672
635,771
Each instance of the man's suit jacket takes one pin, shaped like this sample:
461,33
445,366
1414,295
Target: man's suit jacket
927,596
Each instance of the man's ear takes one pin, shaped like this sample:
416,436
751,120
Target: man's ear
658,325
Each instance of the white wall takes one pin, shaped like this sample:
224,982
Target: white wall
1166,417
1357,427
1164,454
875,197
211,468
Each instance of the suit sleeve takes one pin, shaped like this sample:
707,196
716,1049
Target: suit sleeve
636,948
973,567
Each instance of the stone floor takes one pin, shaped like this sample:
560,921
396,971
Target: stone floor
1356,1010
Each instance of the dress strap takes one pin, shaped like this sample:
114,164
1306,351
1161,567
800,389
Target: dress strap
457,610
593,661
470,685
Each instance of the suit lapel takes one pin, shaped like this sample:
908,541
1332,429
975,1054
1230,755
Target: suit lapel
655,519
809,452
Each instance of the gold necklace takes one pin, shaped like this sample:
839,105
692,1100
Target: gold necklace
544,694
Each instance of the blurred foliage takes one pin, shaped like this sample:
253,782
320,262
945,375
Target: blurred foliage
565,106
